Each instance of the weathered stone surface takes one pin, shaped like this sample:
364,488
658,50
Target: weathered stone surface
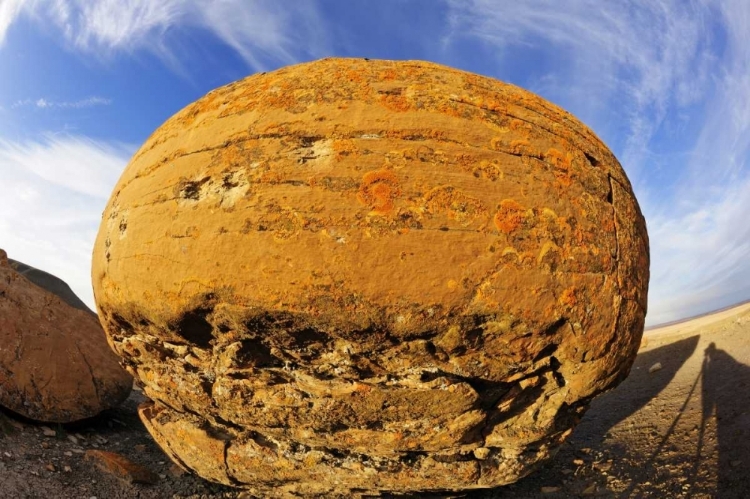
352,275
55,363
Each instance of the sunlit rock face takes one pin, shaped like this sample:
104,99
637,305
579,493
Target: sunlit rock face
358,276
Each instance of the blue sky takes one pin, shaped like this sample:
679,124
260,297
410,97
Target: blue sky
665,83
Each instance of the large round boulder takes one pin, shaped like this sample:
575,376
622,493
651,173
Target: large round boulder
55,363
355,276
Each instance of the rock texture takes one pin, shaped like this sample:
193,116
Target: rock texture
357,276
55,364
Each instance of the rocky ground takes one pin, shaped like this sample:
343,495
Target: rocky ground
679,426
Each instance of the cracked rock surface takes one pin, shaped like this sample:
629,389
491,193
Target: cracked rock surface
355,277
55,364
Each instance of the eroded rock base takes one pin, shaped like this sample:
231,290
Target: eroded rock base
270,467
304,410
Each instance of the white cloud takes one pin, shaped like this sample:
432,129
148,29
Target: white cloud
52,195
43,103
256,30
9,10
653,62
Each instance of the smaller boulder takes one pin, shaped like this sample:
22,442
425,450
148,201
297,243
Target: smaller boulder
55,363
51,283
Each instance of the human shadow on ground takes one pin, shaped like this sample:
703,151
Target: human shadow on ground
605,412
725,392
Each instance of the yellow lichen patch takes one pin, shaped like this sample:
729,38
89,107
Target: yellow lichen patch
199,108
388,74
343,148
520,146
568,297
510,216
378,190
490,170
450,108
454,204
549,254
518,124
355,76
562,163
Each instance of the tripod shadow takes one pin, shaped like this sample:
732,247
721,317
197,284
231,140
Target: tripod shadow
637,390
605,412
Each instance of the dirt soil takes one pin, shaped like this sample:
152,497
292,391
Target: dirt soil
678,431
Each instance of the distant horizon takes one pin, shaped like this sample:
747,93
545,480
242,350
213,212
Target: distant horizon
665,85
697,316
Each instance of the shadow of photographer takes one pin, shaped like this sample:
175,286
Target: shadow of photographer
725,395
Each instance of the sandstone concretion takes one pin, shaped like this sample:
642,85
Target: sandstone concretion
55,363
358,276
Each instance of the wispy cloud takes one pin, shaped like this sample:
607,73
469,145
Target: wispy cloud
649,63
258,30
54,191
43,103
9,10
652,55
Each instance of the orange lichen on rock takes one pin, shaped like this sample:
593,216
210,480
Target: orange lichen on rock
378,190
395,102
370,277
509,216
455,204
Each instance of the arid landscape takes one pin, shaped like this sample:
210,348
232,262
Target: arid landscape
360,249
679,431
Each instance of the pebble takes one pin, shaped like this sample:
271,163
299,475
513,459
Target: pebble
590,490
48,432
121,467
550,490
176,471
655,367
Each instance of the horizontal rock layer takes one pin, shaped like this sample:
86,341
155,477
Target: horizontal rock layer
357,275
